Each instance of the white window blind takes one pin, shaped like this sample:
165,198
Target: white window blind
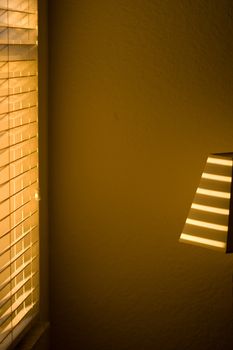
19,235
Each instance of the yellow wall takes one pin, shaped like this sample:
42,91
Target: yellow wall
140,92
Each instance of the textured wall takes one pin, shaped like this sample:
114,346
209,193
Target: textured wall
140,93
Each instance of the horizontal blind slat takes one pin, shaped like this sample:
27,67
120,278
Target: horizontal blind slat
15,10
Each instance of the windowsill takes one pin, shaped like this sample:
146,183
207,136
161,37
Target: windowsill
34,336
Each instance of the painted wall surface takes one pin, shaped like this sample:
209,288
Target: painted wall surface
140,92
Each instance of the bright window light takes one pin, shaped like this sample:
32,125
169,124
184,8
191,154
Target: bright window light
19,207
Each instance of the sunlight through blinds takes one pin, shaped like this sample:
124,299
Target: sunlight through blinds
19,235
210,220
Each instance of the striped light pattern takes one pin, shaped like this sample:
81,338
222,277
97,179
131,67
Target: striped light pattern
19,245
210,219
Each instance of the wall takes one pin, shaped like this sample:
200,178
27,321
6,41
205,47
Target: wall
140,92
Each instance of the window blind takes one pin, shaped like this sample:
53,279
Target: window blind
19,210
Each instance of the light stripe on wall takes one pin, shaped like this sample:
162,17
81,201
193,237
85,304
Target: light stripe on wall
204,241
